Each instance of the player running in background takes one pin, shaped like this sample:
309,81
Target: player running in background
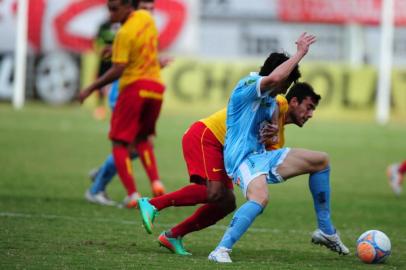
103,41
102,176
396,173
252,167
203,154
135,62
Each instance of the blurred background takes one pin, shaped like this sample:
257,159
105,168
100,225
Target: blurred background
49,143
216,42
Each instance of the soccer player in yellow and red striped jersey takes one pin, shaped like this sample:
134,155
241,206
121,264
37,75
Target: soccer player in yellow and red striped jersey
136,64
203,152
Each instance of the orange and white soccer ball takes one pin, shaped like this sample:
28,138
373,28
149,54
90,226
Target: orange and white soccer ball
373,246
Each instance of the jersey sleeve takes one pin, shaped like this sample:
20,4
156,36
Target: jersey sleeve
121,47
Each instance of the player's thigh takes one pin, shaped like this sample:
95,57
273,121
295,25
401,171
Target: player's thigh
151,109
124,121
302,161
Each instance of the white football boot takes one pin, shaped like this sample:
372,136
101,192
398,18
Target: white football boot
99,198
220,255
333,242
394,178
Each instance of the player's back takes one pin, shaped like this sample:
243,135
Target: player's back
246,109
136,44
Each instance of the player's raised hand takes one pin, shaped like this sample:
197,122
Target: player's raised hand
303,43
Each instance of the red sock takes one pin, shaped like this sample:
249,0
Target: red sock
124,168
190,195
204,217
402,168
147,156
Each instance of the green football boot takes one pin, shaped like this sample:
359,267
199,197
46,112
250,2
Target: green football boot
173,244
148,213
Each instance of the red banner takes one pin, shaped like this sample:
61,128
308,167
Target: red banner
338,11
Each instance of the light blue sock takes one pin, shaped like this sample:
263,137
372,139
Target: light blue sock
106,173
241,221
319,184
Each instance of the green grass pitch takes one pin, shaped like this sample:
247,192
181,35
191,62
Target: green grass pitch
45,223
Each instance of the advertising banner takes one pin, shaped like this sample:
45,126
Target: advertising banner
347,92
338,12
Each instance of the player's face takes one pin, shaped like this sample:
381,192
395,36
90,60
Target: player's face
118,11
302,111
149,6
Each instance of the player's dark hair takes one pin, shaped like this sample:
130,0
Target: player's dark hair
273,61
136,3
302,90
125,2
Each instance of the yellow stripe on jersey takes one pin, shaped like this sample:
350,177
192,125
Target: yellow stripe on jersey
136,44
283,109
217,124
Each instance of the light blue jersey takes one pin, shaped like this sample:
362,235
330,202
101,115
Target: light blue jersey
246,110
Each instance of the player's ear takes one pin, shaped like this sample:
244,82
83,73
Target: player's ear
294,101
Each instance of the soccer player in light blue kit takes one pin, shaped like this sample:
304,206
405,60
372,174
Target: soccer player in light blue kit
252,167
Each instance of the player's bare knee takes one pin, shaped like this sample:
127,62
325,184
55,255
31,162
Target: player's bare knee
214,195
260,196
324,161
320,162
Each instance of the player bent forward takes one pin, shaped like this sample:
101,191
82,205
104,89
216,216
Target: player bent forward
252,167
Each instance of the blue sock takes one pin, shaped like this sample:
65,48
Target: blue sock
106,173
319,184
241,221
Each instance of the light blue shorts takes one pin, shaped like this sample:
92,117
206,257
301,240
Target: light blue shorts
257,164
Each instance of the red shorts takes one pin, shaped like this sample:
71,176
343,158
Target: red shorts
203,154
136,111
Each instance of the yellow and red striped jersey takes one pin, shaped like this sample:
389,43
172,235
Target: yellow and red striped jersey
217,123
136,44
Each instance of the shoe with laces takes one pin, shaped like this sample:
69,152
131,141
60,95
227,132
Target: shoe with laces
333,242
173,244
220,255
148,213
158,188
131,200
394,178
99,198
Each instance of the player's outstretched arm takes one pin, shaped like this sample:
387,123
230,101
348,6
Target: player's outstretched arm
282,72
111,75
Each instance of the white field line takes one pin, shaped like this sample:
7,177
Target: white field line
127,222
165,225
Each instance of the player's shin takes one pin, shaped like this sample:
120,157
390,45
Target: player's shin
241,221
124,169
105,174
319,184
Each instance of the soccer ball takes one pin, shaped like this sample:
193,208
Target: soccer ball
373,246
